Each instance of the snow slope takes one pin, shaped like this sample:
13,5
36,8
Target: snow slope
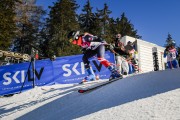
154,95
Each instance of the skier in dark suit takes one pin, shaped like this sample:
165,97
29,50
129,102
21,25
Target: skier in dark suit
91,46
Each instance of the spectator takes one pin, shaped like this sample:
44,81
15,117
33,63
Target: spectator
120,54
133,57
171,54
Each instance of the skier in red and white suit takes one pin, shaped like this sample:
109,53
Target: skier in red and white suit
171,54
91,46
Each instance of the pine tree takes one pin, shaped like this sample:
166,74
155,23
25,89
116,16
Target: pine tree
126,28
87,19
104,16
7,23
169,41
123,26
28,21
112,29
62,19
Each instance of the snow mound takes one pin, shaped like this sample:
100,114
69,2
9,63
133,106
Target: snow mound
145,96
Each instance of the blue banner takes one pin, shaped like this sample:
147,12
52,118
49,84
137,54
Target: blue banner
64,70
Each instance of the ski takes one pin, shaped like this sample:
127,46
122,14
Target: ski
89,82
47,89
84,90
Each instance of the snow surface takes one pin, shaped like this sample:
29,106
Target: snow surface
150,96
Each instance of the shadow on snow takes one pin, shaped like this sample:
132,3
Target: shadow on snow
75,105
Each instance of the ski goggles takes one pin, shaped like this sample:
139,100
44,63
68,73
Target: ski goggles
72,39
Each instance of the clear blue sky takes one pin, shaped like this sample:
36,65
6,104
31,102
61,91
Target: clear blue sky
153,19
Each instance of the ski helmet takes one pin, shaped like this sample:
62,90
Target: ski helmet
73,35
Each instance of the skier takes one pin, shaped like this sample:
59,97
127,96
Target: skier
172,55
91,46
120,53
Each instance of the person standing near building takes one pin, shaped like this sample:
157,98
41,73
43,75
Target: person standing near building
171,53
132,59
91,46
117,47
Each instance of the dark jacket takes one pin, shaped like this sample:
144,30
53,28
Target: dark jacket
119,50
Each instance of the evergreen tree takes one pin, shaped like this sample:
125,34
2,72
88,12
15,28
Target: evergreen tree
125,27
169,41
28,21
112,29
43,42
7,23
62,19
87,19
104,16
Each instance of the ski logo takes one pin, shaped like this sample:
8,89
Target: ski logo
19,76
69,69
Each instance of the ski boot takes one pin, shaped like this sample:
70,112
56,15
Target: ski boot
91,76
115,73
